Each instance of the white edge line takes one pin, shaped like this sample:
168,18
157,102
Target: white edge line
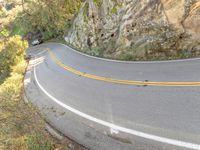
126,62
40,53
116,127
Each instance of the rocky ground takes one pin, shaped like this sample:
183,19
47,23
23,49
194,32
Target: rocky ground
137,29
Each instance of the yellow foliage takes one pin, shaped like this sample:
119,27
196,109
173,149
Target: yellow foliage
12,52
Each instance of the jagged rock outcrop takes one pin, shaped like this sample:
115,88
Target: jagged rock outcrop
137,29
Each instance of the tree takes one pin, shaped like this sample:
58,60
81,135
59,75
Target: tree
48,16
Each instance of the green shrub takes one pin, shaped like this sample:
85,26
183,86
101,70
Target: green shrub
17,30
52,19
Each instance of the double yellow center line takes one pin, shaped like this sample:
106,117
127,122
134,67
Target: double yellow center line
128,82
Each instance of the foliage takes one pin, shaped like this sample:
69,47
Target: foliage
4,33
98,2
50,17
17,30
126,56
114,10
11,53
8,25
3,12
20,125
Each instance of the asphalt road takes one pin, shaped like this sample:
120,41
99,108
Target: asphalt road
163,114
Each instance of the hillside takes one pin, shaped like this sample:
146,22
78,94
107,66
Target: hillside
21,126
137,29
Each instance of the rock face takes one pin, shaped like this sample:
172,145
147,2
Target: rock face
137,29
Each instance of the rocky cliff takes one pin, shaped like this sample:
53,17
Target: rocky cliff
137,29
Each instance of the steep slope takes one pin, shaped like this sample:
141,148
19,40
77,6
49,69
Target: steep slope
137,29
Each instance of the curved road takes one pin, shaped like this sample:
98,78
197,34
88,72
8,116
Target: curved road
155,101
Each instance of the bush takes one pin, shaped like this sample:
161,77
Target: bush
11,52
51,18
20,126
